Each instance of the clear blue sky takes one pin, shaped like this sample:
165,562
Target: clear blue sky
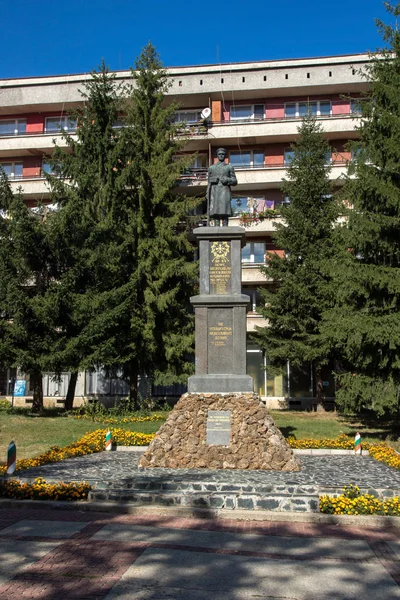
48,38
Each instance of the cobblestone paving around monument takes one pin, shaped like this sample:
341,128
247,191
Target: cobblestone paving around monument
163,557
321,471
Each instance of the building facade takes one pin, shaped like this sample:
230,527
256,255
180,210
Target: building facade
256,109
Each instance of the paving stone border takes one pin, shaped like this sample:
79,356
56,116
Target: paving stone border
116,477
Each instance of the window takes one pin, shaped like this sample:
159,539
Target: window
247,158
317,108
12,127
254,252
187,116
200,162
49,168
247,112
245,204
355,107
289,156
13,170
355,153
255,298
239,205
57,124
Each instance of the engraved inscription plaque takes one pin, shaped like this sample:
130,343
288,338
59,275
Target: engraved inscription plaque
220,340
220,268
219,427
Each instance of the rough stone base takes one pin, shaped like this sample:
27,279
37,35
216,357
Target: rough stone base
256,442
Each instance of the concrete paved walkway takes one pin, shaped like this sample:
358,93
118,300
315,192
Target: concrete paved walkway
51,554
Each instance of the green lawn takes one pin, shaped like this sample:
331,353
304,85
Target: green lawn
34,435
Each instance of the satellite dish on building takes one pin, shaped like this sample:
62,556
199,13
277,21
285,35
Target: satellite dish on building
205,113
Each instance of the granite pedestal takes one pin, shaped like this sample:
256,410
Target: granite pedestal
220,314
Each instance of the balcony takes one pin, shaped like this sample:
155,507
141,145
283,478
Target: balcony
198,135
254,320
283,129
255,176
264,226
251,274
33,186
23,144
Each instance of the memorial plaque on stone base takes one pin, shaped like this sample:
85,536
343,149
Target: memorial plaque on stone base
218,427
220,431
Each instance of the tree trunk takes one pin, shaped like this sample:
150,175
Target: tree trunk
133,386
37,386
69,398
319,388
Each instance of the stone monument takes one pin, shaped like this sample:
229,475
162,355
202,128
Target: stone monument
220,423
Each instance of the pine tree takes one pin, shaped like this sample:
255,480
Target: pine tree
88,188
302,289
158,333
127,268
365,323
26,276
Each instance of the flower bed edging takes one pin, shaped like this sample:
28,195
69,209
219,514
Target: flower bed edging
118,420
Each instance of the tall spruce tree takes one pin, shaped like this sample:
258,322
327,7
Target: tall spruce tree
365,322
27,318
88,188
157,335
302,289
127,267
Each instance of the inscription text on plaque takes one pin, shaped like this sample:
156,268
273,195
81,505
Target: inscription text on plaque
220,268
219,427
220,340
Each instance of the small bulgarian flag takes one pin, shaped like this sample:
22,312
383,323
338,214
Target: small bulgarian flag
357,444
108,440
11,458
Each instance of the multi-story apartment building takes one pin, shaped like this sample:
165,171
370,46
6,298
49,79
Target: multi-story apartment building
256,109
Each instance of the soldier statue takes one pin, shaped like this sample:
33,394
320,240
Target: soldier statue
221,176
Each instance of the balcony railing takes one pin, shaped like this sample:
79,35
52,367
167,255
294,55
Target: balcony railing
194,129
259,120
194,175
32,133
40,175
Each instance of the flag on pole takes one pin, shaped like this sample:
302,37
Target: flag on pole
11,458
357,444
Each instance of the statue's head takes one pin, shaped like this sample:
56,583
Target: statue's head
221,154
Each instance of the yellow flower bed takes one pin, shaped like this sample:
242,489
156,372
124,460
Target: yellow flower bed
380,451
91,442
118,420
384,453
352,502
41,490
342,442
